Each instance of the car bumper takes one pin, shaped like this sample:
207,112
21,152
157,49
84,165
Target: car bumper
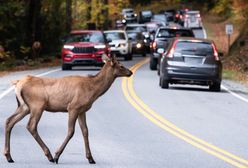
192,76
119,51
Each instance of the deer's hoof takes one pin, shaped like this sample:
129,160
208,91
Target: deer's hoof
56,160
91,161
10,160
51,160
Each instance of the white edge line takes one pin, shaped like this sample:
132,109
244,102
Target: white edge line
235,94
12,87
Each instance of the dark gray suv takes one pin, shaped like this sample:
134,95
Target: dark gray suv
191,61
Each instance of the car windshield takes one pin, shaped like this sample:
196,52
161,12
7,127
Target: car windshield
196,48
170,33
135,36
128,11
115,36
146,13
136,28
95,37
159,17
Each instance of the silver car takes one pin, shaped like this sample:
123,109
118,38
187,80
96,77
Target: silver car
191,61
119,43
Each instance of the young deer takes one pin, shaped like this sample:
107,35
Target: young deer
72,94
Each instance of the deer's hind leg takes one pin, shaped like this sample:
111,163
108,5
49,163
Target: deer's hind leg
84,129
21,112
35,115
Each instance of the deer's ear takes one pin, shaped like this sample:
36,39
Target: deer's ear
105,58
113,60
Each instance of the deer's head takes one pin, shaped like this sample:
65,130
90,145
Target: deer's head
117,68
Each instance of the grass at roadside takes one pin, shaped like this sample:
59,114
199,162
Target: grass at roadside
29,65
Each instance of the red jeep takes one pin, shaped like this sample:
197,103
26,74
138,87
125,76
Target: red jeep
84,47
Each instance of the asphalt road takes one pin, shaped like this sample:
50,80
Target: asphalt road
137,124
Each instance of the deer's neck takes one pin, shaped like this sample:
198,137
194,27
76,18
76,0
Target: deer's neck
104,80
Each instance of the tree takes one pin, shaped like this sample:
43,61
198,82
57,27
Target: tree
68,15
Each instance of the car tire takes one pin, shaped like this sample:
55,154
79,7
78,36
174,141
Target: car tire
158,70
163,83
216,87
66,67
153,64
128,57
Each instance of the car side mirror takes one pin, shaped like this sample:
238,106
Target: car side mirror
129,38
160,50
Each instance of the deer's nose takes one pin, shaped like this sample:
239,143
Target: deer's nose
130,73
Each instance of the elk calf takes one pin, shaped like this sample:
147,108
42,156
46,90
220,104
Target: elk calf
72,94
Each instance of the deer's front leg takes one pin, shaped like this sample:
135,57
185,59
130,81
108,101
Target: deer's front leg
84,129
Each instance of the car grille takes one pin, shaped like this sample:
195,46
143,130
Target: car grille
83,49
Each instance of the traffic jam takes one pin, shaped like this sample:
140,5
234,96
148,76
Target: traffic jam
168,38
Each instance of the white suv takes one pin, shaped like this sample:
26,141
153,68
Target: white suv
119,43
193,19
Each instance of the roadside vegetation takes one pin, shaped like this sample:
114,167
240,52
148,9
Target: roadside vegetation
24,22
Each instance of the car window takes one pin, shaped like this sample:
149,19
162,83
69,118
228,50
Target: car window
95,37
169,33
159,17
115,36
135,36
136,28
197,48
146,13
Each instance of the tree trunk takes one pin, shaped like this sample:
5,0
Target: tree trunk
68,15
33,22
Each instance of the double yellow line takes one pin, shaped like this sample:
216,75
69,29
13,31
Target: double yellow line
140,106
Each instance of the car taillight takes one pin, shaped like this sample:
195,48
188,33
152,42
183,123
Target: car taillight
198,15
154,45
186,16
216,55
177,15
171,51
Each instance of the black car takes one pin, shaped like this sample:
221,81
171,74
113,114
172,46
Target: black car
143,29
160,18
170,13
145,16
138,42
191,61
162,37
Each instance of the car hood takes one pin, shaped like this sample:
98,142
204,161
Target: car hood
117,42
83,44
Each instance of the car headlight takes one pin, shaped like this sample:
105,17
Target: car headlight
122,45
68,47
138,45
101,46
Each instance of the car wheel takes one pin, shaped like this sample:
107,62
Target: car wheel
153,64
128,57
163,83
66,67
158,69
216,87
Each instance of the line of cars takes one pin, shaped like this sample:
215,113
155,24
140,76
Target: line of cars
175,52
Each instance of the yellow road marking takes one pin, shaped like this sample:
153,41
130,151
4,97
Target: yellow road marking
128,90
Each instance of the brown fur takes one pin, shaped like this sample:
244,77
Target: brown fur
72,94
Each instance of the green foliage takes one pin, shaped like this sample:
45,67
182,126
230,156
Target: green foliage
223,8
